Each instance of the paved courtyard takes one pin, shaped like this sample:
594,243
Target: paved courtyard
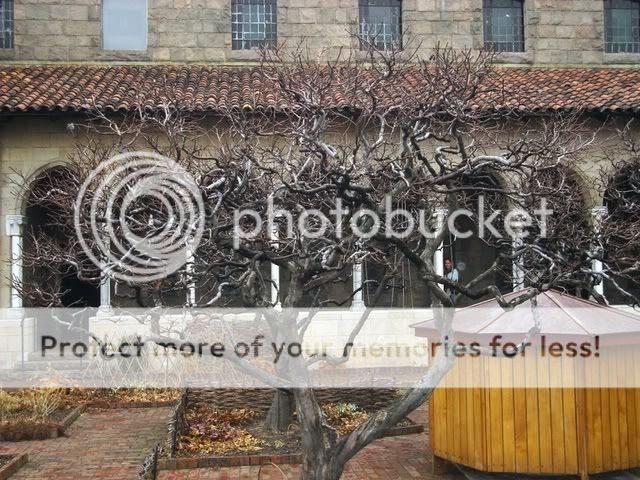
398,458
103,444
111,445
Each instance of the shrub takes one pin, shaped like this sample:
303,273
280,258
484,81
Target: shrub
9,405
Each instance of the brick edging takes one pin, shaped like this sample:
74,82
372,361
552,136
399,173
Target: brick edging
405,430
56,429
72,417
121,405
13,466
183,463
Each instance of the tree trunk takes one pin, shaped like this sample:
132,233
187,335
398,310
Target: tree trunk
281,411
318,466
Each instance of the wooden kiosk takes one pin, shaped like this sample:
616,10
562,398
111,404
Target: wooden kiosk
541,415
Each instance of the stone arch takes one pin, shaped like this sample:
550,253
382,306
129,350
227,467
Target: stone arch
21,198
41,225
620,198
473,255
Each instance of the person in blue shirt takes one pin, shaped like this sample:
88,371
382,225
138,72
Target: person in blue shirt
451,273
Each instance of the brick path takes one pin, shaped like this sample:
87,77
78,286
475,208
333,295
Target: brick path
101,444
397,458
111,445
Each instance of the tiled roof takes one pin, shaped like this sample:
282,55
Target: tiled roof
210,88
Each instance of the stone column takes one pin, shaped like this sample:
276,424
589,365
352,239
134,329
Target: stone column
191,290
598,214
275,269
13,227
105,290
357,303
517,266
438,256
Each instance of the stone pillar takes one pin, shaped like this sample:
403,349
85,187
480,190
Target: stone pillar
438,256
517,266
13,227
275,269
105,289
357,302
191,290
598,214
17,332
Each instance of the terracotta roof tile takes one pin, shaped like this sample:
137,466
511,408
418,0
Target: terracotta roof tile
210,88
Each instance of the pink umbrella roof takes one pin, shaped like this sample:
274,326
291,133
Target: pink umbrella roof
562,317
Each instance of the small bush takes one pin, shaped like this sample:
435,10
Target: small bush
9,405
344,417
211,431
44,401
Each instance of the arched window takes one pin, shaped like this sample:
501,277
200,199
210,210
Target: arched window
620,231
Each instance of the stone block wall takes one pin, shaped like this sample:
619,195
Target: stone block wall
556,32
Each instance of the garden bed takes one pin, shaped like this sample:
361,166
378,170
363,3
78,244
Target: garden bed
211,435
46,413
36,414
10,464
25,427
128,397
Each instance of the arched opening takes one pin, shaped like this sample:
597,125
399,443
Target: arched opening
560,240
50,260
621,233
473,248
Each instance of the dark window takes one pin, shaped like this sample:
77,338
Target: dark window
253,23
6,20
380,22
622,26
504,25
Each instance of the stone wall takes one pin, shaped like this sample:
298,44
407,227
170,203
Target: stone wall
557,32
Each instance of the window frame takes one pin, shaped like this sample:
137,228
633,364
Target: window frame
518,31
270,28
7,22
363,13
630,45
102,29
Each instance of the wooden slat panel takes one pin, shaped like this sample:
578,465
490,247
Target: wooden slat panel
532,413
508,415
607,457
520,420
569,415
557,417
636,395
494,410
469,413
619,366
614,411
479,417
544,416
594,418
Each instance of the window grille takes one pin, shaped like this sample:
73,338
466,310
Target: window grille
504,25
381,23
253,23
622,26
6,20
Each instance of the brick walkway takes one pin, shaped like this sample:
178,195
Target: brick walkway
102,444
396,458
111,445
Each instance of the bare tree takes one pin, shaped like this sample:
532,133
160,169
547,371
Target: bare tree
428,136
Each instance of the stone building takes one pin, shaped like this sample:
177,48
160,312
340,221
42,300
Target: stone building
59,56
